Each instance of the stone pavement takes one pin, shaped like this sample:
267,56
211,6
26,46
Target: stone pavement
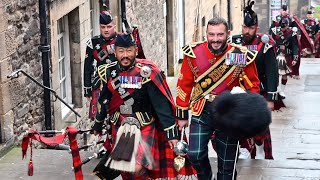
295,134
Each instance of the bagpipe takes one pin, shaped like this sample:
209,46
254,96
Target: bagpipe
126,28
54,139
56,142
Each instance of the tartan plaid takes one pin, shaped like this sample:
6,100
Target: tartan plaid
317,45
200,133
93,103
71,132
295,68
278,104
157,148
266,139
249,144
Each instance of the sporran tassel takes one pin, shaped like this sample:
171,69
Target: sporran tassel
118,149
127,154
120,144
127,159
30,166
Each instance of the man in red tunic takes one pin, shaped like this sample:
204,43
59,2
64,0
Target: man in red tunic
208,69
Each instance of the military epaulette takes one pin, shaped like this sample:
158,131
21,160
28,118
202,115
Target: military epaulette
251,55
102,70
237,39
188,49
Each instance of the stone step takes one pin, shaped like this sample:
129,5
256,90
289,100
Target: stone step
56,164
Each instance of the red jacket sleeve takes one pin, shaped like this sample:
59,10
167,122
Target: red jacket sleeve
185,85
250,72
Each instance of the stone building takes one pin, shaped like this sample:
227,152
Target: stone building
70,24
165,26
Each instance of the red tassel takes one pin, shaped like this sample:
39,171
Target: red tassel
30,168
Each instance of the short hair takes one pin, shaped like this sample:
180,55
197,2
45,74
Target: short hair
216,21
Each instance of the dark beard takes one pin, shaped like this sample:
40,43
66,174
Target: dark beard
220,50
247,38
126,68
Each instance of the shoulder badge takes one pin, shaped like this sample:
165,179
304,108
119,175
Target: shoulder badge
145,71
89,43
102,71
294,31
274,30
237,39
188,51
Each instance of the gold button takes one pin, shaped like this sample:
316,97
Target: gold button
204,84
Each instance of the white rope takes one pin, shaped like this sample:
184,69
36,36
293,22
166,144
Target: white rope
235,161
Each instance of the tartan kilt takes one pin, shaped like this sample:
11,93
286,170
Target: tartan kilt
155,149
249,144
278,103
93,103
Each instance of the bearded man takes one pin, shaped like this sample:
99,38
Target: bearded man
260,146
208,69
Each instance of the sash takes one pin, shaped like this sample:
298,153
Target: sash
201,55
212,79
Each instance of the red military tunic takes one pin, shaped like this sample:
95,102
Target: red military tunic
198,59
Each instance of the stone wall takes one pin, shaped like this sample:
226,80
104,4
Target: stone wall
21,100
261,7
206,12
21,104
149,18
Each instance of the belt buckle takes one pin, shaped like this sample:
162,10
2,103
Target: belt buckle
125,109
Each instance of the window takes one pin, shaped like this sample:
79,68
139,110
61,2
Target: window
214,11
64,64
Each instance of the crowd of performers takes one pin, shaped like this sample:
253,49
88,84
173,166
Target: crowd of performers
128,95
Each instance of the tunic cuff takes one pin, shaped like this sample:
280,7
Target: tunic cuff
182,113
97,126
272,96
87,91
172,132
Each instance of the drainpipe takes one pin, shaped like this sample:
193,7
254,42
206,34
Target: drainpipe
45,48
